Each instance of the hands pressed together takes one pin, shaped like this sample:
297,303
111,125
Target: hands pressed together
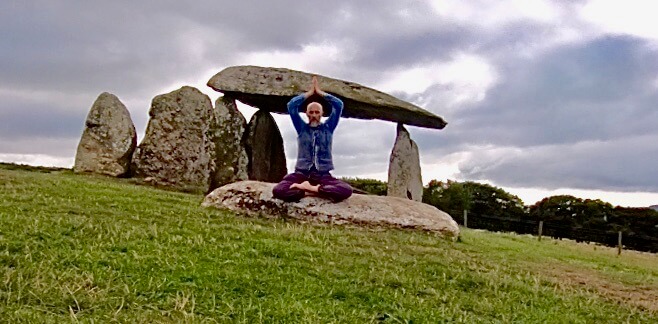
315,88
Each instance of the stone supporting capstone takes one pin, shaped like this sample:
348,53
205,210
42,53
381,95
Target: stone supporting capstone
267,159
231,160
404,175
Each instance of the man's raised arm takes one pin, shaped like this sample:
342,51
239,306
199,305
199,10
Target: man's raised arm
336,111
295,103
293,111
336,106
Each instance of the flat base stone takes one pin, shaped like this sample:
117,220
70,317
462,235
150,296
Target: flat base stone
255,198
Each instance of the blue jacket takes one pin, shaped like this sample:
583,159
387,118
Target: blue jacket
314,143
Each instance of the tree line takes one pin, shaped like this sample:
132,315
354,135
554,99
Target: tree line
563,216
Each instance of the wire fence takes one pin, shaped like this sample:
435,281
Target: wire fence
609,237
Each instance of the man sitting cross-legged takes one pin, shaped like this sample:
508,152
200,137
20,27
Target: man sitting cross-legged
314,161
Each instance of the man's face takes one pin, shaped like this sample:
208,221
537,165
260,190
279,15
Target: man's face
314,112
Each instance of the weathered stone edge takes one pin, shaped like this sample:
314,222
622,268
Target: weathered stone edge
295,87
252,207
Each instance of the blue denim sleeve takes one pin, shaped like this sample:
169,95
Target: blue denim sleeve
336,111
293,111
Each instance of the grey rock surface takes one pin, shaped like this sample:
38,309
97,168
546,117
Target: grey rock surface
271,89
255,198
267,158
231,160
178,149
404,175
108,139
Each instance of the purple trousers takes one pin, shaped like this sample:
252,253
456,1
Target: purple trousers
330,187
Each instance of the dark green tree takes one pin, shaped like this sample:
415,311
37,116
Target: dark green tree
369,186
488,200
450,197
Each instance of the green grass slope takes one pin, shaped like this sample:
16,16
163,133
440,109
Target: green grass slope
94,249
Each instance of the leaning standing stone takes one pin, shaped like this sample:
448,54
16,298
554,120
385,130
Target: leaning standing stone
108,140
267,159
178,147
404,176
230,154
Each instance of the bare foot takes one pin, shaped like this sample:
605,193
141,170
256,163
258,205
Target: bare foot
310,189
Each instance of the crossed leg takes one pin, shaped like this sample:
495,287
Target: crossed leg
284,191
296,186
331,188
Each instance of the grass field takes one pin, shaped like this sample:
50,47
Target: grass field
95,249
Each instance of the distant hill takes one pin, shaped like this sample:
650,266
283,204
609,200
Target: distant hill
654,207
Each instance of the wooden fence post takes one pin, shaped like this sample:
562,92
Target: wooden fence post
465,218
619,243
541,228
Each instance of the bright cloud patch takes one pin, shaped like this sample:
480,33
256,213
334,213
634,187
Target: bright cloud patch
38,160
468,76
495,13
631,17
318,58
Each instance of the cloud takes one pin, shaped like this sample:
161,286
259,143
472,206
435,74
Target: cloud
468,77
632,17
619,165
492,14
59,147
535,92
38,159
37,117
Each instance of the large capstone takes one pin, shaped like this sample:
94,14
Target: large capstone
404,176
108,139
271,88
255,198
231,160
178,148
267,158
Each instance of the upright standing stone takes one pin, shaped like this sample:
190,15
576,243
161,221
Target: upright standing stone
178,149
108,140
267,159
404,177
231,160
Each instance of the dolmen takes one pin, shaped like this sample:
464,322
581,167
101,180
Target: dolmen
270,89
191,145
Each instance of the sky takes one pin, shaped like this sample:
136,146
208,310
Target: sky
541,97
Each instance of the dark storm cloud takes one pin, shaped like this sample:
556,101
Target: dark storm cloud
400,34
620,165
86,46
136,49
593,91
43,121
596,91
549,107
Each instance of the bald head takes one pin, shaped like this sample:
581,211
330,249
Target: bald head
314,113
314,105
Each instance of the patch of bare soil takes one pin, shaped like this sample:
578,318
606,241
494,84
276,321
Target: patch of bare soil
569,277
